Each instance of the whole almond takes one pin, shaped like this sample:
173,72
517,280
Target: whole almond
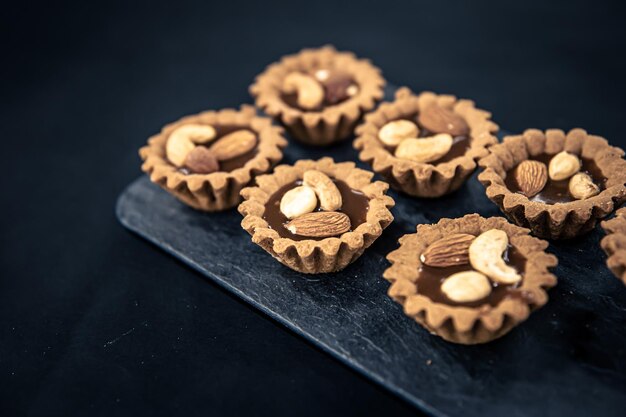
531,177
201,161
320,224
438,119
233,145
451,250
325,188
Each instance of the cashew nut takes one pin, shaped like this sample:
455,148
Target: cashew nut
298,201
396,131
485,255
466,286
183,139
581,186
563,165
310,92
424,149
325,188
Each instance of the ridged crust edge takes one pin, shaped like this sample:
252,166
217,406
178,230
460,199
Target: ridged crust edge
463,324
218,190
422,179
311,256
554,221
332,123
614,243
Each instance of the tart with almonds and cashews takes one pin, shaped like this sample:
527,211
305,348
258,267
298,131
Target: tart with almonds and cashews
316,216
556,184
319,94
205,160
614,243
425,145
470,280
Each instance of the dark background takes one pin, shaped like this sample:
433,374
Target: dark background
95,321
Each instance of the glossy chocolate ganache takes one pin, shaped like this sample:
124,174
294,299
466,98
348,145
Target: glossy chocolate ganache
355,205
430,279
231,164
557,191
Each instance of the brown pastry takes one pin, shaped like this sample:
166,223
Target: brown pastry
614,243
425,145
319,95
206,159
470,280
316,216
555,184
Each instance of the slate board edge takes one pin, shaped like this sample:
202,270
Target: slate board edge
120,214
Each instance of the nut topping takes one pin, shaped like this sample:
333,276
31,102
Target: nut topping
467,286
581,186
320,224
441,120
310,92
485,254
563,165
325,188
396,131
338,87
425,149
451,250
531,177
184,139
298,201
201,161
233,145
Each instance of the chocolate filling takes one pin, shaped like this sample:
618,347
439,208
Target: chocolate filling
335,91
355,205
430,280
557,191
233,163
460,144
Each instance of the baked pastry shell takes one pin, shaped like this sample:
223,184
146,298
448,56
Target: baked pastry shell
614,243
423,179
333,123
316,256
561,220
469,325
218,190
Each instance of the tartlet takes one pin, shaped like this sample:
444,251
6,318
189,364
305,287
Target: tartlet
217,181
468,322
554,212
614,243
301,239
467,130
319,94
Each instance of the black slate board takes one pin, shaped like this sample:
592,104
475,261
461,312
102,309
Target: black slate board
569,358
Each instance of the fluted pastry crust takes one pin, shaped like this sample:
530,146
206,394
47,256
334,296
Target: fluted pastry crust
469,325
561,220
316,256
424,179
332,123
218,190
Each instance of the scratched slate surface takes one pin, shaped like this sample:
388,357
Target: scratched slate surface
569,358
